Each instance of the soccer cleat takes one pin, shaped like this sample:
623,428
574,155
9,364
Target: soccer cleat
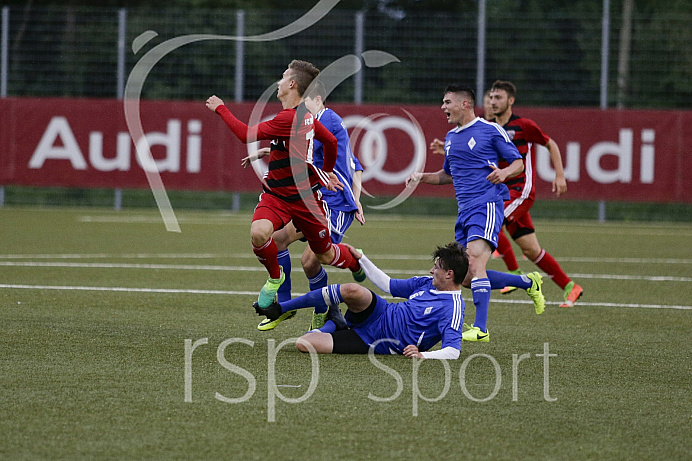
572,293
507,290
535,292
318,320
268,292
475,334
266,324
272,312
334,314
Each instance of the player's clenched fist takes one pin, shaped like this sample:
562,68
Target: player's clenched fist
213,102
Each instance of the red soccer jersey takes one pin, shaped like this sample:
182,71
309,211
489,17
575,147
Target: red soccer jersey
523,132
291,132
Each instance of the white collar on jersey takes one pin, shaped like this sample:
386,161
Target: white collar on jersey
459,128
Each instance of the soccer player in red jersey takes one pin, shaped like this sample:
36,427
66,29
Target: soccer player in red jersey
292,184
525,132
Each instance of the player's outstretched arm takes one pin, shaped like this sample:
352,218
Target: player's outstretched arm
263,152
357,188
437,178
376,275
437,147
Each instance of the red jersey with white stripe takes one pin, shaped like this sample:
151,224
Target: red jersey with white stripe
523,132
292,133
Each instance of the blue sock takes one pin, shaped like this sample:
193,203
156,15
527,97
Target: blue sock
317,282
284,293
500,280
329,327
322,298
480,288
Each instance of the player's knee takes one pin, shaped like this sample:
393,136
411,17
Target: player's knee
311,264
260,234
352,292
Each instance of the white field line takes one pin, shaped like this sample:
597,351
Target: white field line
254,293
259,268
248,255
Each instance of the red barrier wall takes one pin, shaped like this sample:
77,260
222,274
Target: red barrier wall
612,155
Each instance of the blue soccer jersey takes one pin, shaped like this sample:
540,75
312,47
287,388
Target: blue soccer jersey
346,163
469,152
427,317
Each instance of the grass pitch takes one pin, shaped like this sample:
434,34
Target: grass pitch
96,309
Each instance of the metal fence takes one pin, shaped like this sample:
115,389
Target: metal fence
561,59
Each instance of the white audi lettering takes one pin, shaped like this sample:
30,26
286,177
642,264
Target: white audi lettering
59,143
623,150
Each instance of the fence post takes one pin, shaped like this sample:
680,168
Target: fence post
240,57
358,50
4,50
605,49
480,64
120,86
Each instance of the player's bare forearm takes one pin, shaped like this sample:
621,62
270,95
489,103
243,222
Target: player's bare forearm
437,178
559,183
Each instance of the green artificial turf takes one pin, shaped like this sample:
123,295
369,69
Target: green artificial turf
96,308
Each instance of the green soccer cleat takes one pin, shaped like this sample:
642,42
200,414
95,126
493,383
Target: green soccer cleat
318,320
475,334
535,292
267,324
268,292
507,290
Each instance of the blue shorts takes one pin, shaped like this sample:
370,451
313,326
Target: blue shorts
371,329
482,221
339,222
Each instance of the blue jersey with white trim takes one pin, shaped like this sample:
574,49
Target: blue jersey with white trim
346,163
427,317
470,150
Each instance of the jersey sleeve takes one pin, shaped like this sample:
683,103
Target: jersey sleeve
330,146
279,126
503,145
450,324
533,132
403,288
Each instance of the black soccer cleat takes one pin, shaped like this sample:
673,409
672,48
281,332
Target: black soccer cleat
334,314
272,312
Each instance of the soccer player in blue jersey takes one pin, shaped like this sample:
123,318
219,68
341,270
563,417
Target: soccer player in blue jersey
343,206
432,313
473,150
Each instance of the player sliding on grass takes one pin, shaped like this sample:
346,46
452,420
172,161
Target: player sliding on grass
433,312
292,184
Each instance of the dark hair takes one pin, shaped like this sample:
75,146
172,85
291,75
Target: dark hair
453,257
457,88
506,86
316,88
303,74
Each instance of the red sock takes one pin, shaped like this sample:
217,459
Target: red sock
504,247
343,258
267,255
548,264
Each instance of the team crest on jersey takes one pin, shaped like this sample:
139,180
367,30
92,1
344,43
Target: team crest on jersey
323,232
511,134
472,142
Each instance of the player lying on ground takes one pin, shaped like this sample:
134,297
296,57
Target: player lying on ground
433,312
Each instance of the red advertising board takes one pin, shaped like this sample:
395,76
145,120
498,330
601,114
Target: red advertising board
624,155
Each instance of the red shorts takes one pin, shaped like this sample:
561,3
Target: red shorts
517,217
308,218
